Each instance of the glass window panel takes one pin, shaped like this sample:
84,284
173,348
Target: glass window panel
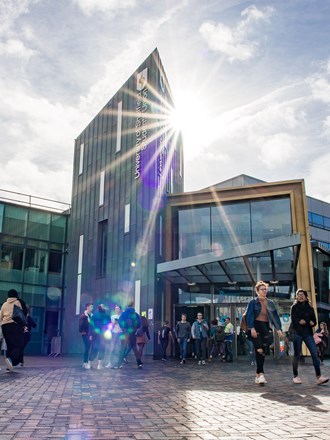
270,218
15,220
55,262
327,222
38,225
194,232
231,225
317,219
57,229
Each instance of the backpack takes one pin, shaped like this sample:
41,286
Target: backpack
243,325
219,335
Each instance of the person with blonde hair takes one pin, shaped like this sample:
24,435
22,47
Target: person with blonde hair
303,320
261,315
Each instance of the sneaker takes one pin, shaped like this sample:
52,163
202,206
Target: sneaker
109,365
163,359
183,361
203,363
260,379
140,366
125,361
9,364
88,366
199,362
252,363
321,379
296,380
99,367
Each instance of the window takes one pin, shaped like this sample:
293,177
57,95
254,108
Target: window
79,275
127,218
81,159
102,180
137,299
119,122
102,247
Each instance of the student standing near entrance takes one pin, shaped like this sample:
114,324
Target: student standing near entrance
199,331
261,314
303,320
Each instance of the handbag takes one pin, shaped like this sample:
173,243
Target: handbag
18,316
317,339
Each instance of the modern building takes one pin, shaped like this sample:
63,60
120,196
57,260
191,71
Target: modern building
135,234
126,162
33,247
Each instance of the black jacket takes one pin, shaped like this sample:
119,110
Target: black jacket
302,311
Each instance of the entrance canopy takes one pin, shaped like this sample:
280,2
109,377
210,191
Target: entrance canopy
274,260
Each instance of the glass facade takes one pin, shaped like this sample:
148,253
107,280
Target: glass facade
214,228
32,260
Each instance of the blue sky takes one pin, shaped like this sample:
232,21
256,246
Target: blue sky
251,81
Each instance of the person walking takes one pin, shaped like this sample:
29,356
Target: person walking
261,314
229,336
199,331
323,335
303,320
164,337
183,334
86,332
142,336
117,340
129,322
30,323
12,331
100,323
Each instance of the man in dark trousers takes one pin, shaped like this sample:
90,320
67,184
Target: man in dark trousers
129,322
85,329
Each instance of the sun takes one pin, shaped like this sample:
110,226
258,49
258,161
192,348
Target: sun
190,118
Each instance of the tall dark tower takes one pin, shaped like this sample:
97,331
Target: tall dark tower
126,162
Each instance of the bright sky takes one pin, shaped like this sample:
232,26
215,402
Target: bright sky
251,81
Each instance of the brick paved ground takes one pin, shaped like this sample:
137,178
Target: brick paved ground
56,399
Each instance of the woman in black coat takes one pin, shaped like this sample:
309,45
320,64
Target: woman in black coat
303,320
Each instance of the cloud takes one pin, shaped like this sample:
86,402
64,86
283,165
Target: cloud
15,48
234,42
317,179
90,6
10,10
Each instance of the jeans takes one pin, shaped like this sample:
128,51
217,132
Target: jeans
87,343
260,342
164,345
183,348
201,348
229,351
309,341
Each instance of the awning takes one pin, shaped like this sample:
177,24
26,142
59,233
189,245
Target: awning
273,259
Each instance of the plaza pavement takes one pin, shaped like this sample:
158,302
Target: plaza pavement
56,399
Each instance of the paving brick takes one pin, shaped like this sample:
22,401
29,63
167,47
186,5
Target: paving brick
55,399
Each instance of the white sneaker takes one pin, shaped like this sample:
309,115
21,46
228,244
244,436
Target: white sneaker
296,380
9,364
203,363
88,366
99,367
260,379
109,365
199,362
321,379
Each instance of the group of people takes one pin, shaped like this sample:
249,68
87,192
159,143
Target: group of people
16,334
261,315
125,330
261,318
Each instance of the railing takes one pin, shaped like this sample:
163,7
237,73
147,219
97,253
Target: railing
34,201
